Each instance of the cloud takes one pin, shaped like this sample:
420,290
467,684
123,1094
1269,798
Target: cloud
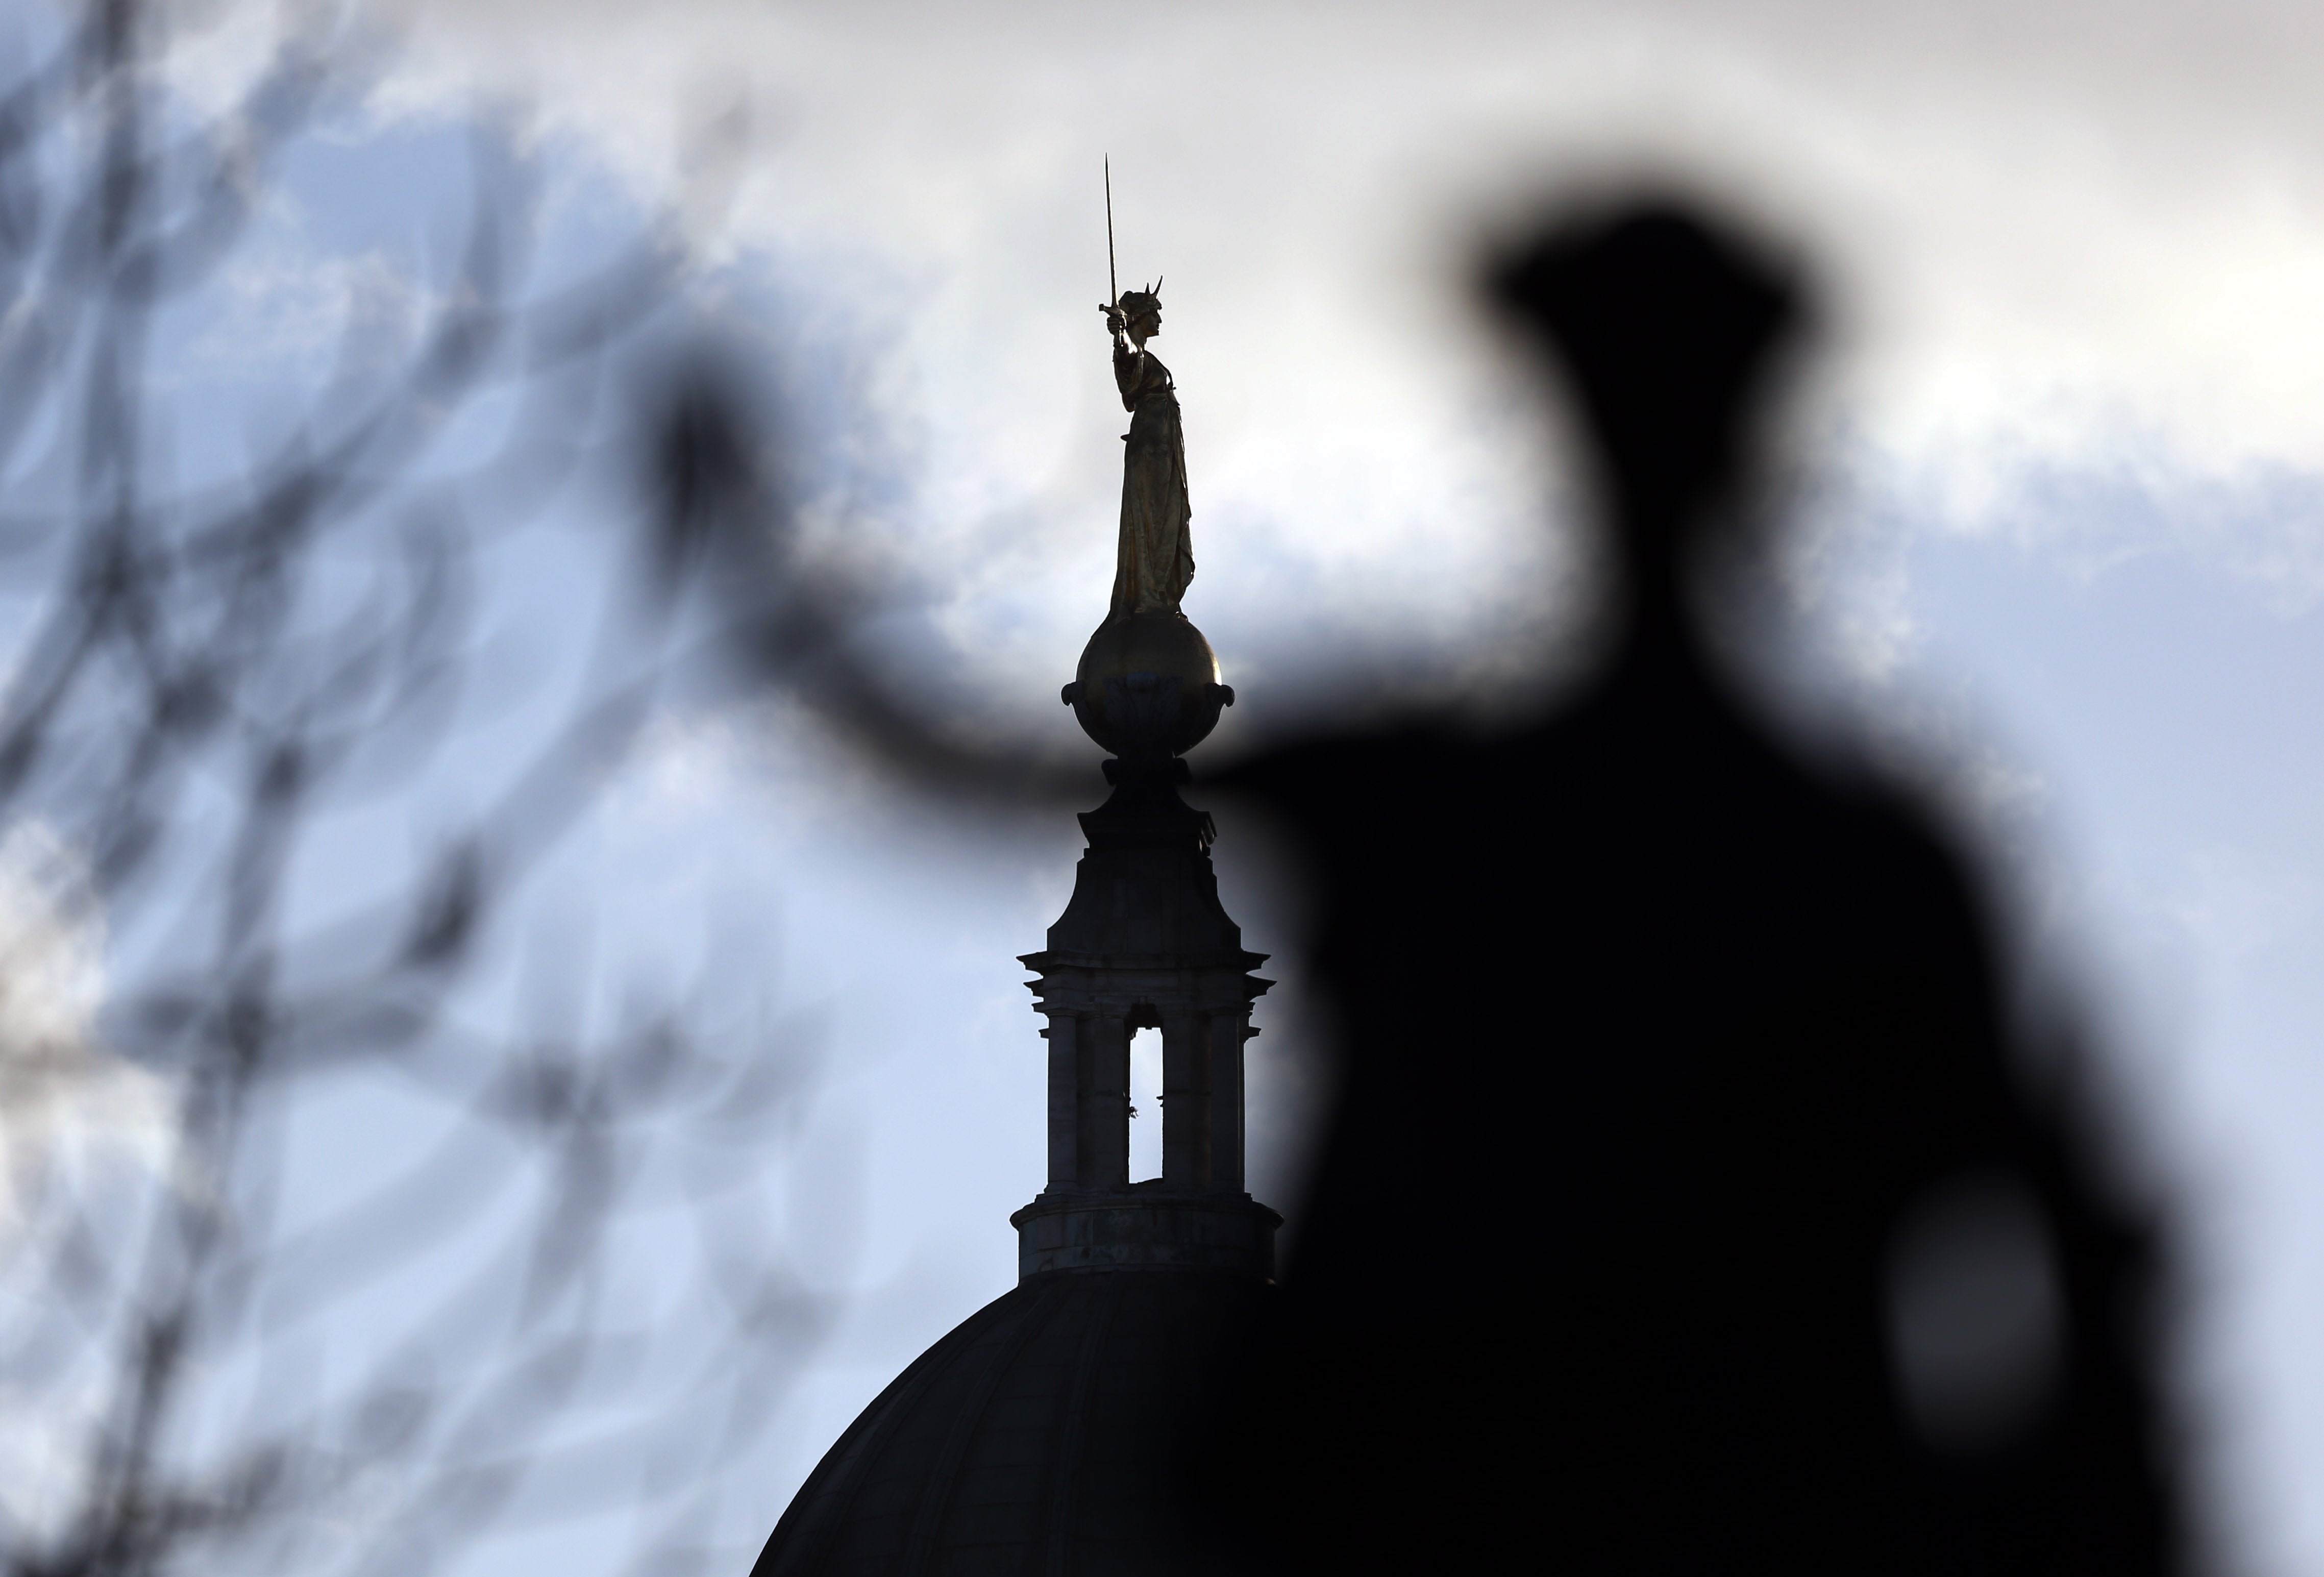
289,307
2061,241
75,1122
71,1112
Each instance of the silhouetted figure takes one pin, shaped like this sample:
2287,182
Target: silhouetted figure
1684,1210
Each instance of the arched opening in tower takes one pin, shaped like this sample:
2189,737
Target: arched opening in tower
1145,1105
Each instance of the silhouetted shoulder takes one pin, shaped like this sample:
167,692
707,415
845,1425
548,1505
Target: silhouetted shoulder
1679,1150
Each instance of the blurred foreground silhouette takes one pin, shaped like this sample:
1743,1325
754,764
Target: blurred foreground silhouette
1686,1207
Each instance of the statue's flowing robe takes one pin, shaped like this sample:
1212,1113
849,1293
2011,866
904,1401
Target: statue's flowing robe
1157,554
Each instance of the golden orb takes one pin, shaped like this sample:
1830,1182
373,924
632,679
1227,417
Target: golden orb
1165,646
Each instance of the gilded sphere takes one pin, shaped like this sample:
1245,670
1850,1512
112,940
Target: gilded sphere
1131,660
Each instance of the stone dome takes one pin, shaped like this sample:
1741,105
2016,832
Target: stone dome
1048,1434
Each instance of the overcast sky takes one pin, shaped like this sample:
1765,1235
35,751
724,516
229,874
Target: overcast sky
2061,497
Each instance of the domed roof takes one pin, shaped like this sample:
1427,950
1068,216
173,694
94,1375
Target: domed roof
1046,1434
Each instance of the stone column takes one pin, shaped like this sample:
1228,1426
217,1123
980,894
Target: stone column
1102,1158
1064,1100
1227,1033
1185,1101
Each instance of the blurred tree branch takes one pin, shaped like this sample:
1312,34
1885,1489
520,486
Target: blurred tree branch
199,686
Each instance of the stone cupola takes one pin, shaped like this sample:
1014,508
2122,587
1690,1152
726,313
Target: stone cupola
1051,1432
1054,1432
1143,944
